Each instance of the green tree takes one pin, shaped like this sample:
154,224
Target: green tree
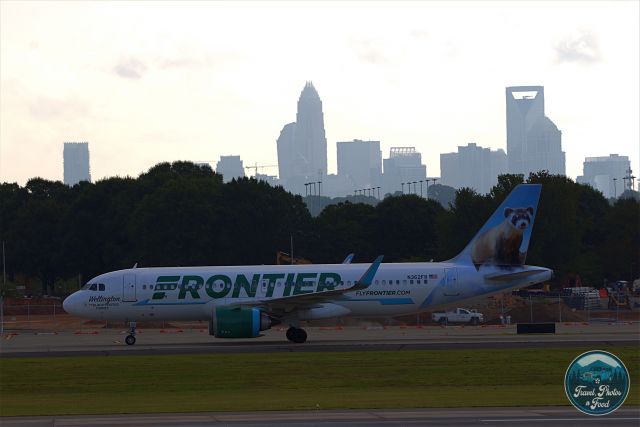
345,228
406,228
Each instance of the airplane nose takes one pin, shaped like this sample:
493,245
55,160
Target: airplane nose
69,303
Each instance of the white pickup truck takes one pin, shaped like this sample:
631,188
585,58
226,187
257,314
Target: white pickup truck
460,315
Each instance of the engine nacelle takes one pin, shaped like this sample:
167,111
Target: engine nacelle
238,322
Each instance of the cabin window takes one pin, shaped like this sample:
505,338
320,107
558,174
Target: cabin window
377,282
144,286
411,282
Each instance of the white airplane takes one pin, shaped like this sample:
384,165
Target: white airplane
241,301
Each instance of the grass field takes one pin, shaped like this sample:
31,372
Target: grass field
244,382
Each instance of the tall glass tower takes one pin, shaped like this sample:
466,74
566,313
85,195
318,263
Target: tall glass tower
76,162
310,138
302,145
534,142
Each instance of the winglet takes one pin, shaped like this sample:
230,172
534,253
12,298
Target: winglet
348,259
367,277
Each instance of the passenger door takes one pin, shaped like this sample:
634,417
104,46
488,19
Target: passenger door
451,286
129,288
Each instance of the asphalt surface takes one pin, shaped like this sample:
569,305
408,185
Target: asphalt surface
523,417
100,342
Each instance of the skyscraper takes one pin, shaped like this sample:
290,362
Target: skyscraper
302,145
404,165
605,174
360,162
310,138
472,166
534,142
288,156
230,167
76,162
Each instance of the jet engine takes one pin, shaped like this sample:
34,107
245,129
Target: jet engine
238,322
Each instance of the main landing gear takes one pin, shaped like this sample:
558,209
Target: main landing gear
131,338
296,335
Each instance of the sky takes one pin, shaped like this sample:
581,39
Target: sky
147,82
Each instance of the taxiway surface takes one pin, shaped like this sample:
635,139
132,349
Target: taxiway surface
189,341
523,417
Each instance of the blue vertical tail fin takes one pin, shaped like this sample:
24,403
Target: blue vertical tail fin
503,241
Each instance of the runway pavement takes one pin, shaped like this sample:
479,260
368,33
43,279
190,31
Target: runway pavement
188,341
523,417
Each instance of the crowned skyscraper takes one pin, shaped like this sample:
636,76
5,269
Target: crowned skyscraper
302,146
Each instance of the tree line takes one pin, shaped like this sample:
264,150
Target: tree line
183,214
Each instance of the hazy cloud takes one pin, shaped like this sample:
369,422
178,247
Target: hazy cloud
130,68
370,51
196,60
581,47
50,108
419,33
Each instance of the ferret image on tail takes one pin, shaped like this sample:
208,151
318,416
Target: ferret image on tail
500,245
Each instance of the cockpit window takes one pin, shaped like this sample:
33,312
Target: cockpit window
101,287
93,287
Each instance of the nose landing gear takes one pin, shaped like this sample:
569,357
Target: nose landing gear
131,338
296,335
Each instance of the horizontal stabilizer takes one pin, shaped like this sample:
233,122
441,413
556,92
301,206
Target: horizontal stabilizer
505,277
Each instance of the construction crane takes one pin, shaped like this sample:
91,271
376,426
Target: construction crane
257,166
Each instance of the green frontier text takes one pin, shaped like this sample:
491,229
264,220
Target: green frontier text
221,286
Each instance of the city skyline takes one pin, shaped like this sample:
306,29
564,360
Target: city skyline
168,81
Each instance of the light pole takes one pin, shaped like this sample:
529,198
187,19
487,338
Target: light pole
415,187
378,192
615,192
421,189
402,187
319,188
430,179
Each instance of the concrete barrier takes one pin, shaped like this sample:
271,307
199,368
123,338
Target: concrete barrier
536,328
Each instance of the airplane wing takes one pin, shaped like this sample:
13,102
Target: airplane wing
289,303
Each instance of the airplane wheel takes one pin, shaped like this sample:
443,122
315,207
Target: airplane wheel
299,336
296,335
130,340
291,333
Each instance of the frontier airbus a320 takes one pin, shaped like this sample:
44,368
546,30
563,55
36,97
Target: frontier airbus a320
241,301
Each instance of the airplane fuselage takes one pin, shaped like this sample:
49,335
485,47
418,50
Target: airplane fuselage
191,293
